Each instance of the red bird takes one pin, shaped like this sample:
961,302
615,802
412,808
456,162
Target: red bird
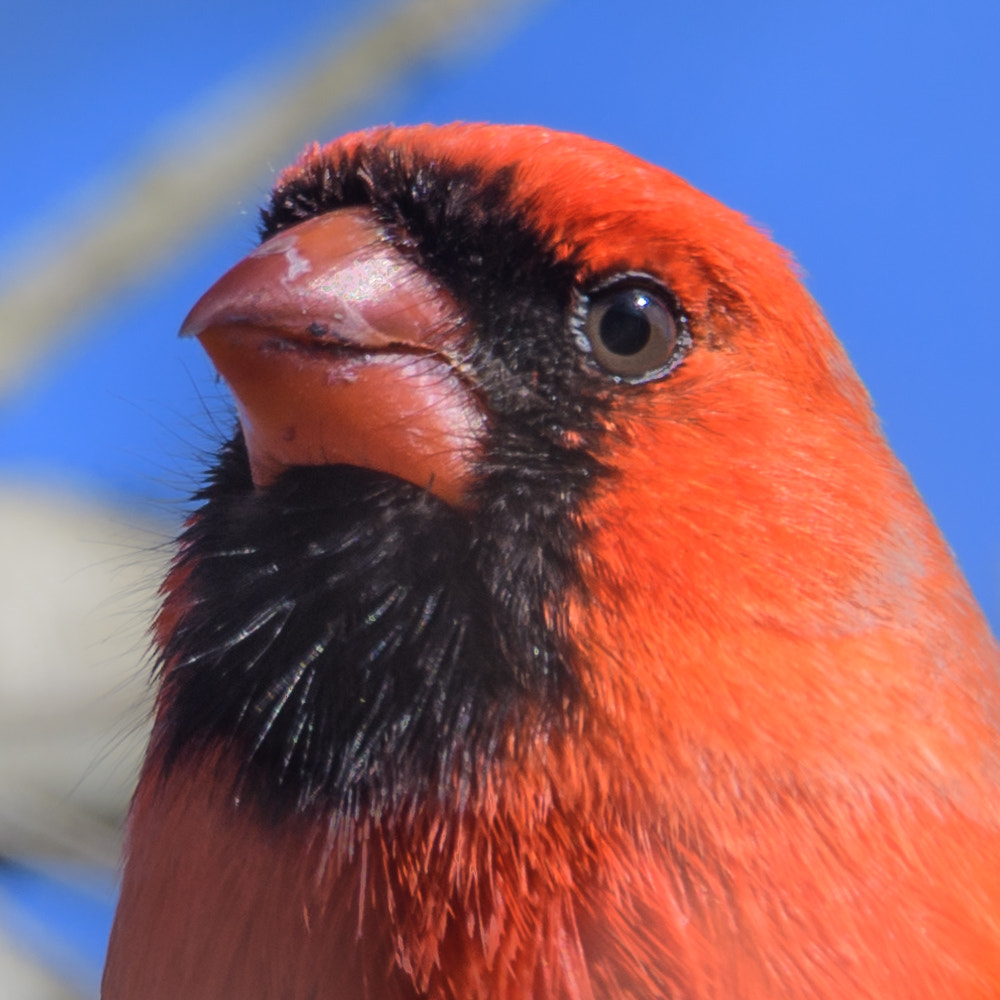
557,624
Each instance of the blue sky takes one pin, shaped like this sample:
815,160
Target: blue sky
862,135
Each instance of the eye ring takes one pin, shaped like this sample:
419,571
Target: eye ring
632,327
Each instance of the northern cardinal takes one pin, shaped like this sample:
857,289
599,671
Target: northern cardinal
558,623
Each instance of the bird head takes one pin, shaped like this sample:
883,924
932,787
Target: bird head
549,442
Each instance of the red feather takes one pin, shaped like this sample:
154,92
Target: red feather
783,782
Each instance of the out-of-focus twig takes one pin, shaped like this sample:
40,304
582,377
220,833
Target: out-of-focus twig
171,194
78,589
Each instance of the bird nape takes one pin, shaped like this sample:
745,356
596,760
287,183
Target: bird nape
557,623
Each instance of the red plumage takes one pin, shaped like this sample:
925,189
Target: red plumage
773,771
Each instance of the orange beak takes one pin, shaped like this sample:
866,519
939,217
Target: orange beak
340,349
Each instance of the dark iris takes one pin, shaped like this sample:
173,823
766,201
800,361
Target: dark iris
631,330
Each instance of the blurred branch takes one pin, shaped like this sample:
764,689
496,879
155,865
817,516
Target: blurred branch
171,195
34,823
25,977
78,588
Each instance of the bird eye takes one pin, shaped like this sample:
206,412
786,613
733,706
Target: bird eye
631,331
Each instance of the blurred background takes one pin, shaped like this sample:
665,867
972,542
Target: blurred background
139,140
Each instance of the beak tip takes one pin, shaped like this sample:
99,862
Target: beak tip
193,326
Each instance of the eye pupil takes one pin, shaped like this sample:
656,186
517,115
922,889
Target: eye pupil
624,327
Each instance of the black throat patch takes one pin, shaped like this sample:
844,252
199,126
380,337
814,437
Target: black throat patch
356,637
